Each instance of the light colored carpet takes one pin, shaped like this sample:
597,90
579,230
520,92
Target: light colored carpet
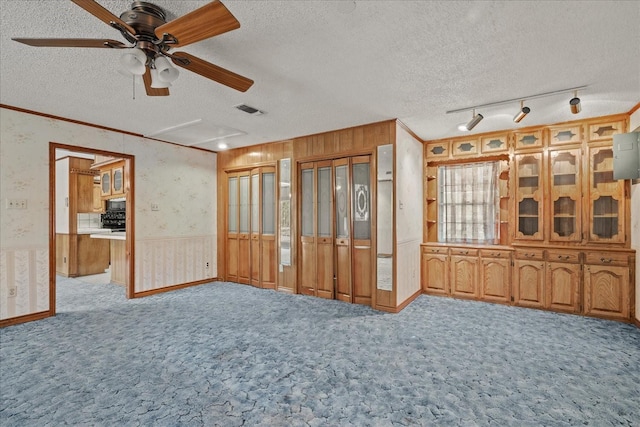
231,355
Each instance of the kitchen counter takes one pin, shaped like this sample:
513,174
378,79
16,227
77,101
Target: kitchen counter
116,235
118,254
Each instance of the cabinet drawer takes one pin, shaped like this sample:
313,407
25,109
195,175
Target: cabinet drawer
490,253
607,258
563,256
464,251
537,254
431,250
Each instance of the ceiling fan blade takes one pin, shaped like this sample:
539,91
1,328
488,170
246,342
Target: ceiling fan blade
105,43
208,21
211,71
103,14
152,91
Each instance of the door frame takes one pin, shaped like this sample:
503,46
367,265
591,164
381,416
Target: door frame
129,170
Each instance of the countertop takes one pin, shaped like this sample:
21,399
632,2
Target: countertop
116,235
93,231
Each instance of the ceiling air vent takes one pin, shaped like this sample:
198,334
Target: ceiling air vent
248,109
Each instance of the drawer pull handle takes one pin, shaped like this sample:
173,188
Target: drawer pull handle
465,252
496,255
606,260
564,257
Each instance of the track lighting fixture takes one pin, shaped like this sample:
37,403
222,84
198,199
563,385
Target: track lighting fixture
574,103
522,113
475,119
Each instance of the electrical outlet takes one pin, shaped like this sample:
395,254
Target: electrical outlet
16,203
206,266
155,207
13,291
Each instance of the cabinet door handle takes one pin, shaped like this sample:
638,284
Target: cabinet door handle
606,260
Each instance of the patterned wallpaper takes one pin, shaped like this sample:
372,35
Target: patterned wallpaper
180,180
408,213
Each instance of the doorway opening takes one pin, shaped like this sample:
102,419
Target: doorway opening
91,206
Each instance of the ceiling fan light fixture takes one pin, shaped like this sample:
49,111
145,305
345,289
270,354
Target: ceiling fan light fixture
134,61
157,82
166,72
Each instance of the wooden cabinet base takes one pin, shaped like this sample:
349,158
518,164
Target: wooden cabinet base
80,255
118,261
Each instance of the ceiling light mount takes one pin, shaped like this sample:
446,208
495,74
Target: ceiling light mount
574,103
510,101
522,113
475,119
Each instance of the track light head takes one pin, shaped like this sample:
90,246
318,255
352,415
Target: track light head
574,104
522,113
477,118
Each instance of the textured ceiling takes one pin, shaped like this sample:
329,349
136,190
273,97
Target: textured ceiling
323,65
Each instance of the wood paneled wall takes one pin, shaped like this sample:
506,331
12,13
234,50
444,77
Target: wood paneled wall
328,145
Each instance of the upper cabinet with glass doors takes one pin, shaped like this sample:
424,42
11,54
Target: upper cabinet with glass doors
566,195
529,197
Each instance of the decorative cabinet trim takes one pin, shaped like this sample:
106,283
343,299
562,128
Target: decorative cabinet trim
438,150
494,144
605,131
528,140
464,148
562,135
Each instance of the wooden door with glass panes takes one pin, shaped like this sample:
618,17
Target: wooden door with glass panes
238,246
565,195
361,252
529,197
342,193
607,208
308,278
263,238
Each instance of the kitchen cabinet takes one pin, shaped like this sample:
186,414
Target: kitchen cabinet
113,179
529,197
74,192
79,255
566,195
105,183
98,203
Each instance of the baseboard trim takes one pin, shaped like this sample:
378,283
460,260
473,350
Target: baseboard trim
24,319
174,287
402,306
637,323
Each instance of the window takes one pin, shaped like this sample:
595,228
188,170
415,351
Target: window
469,203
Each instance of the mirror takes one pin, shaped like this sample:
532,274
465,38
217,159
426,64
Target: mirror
285,211
385,218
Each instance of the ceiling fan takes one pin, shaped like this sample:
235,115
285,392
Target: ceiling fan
152,39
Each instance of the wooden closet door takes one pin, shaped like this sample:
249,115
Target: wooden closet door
324,229
343,230
307,262
232,227
244,260
268,253
361,212
254,225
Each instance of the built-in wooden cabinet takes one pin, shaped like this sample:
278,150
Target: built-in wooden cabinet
463,274
495,275
529,196
607,284
564,222
435,270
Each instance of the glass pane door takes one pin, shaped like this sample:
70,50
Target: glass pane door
566,195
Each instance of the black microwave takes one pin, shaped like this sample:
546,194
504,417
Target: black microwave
116,205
